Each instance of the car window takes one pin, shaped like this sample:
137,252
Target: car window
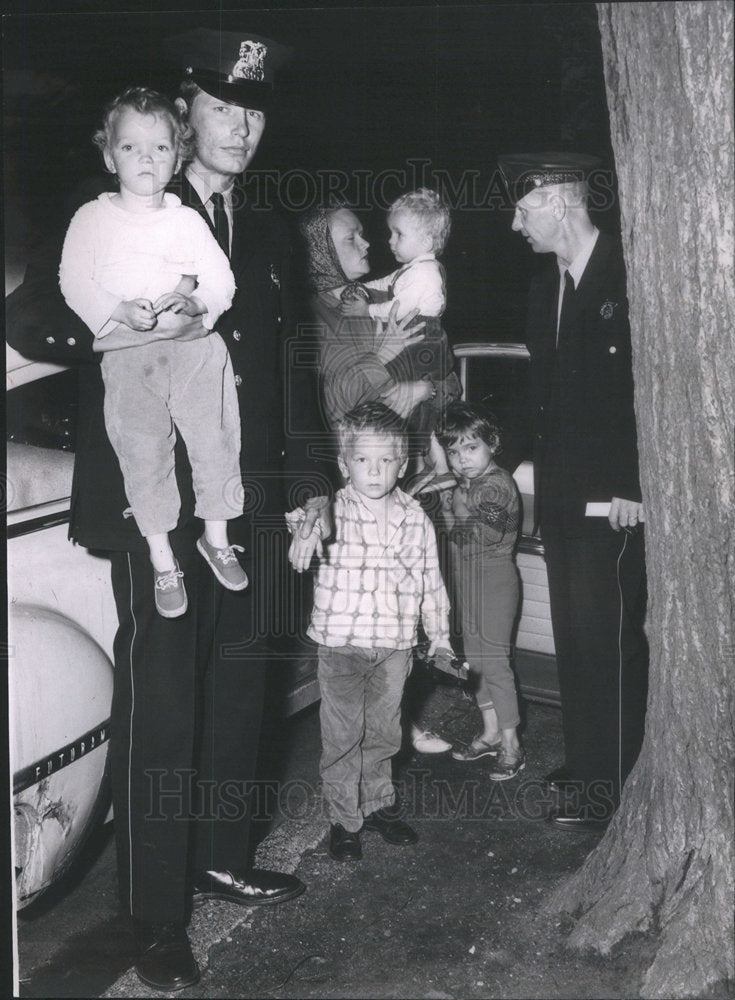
43,413
500,383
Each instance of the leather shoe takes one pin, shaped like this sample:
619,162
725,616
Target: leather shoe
164,961
254,887
390,828
579,820
558,778
344,845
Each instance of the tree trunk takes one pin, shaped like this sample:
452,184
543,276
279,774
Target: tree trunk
666,862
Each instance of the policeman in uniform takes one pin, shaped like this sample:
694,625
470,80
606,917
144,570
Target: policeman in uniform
587,486
188,693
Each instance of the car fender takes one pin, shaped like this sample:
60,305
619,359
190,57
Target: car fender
60,695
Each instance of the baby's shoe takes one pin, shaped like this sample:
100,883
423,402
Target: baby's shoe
224,564
170,593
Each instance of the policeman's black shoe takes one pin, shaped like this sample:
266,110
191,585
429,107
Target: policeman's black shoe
579,819
164,961
254,887
558,778
390,828
344,845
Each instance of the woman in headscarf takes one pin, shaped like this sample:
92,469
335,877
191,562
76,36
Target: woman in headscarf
356,352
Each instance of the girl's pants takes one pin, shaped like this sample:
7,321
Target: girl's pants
151,391
488,592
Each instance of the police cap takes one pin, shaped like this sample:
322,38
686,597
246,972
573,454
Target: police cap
237,67
524,172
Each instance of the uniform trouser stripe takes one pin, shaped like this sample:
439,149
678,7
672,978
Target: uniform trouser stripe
130,730
620,660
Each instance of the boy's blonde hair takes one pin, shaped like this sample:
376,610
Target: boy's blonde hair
145,102
431,213
371,418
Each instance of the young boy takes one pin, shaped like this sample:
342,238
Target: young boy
419,224
128,258
377,577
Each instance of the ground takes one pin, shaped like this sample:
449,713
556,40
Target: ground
458,915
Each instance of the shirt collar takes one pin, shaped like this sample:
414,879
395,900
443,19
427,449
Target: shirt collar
578,265
403,499
203,188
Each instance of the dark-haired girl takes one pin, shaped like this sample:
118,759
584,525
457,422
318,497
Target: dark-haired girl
483,515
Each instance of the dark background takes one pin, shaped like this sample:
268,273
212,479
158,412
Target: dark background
376,101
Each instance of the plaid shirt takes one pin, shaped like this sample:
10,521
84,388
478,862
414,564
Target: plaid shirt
371,593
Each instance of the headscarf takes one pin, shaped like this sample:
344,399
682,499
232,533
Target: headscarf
324,269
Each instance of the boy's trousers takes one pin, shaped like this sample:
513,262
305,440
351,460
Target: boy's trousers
360,718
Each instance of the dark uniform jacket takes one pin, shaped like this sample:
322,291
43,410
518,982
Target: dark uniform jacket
581,394
41,326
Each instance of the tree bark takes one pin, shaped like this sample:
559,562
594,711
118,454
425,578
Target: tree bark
666,862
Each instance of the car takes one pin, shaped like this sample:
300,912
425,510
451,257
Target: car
62,617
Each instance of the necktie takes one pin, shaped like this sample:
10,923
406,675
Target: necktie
221,224
566,305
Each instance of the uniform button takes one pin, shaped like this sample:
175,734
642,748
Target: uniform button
50,340
71,341
613,350
278,320
236,335
238,381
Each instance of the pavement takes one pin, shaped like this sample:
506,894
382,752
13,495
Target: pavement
460,914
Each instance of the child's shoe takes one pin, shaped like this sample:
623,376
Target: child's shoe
476,749
170,593
428,742
507,765
224,564
343,845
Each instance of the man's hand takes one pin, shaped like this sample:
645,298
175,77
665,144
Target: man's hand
308,526
625,514
177,302
138,314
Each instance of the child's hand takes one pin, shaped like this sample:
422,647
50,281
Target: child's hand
177,302
138,314
357,307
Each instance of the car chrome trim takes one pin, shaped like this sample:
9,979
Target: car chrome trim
46,515
28,776
487,350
